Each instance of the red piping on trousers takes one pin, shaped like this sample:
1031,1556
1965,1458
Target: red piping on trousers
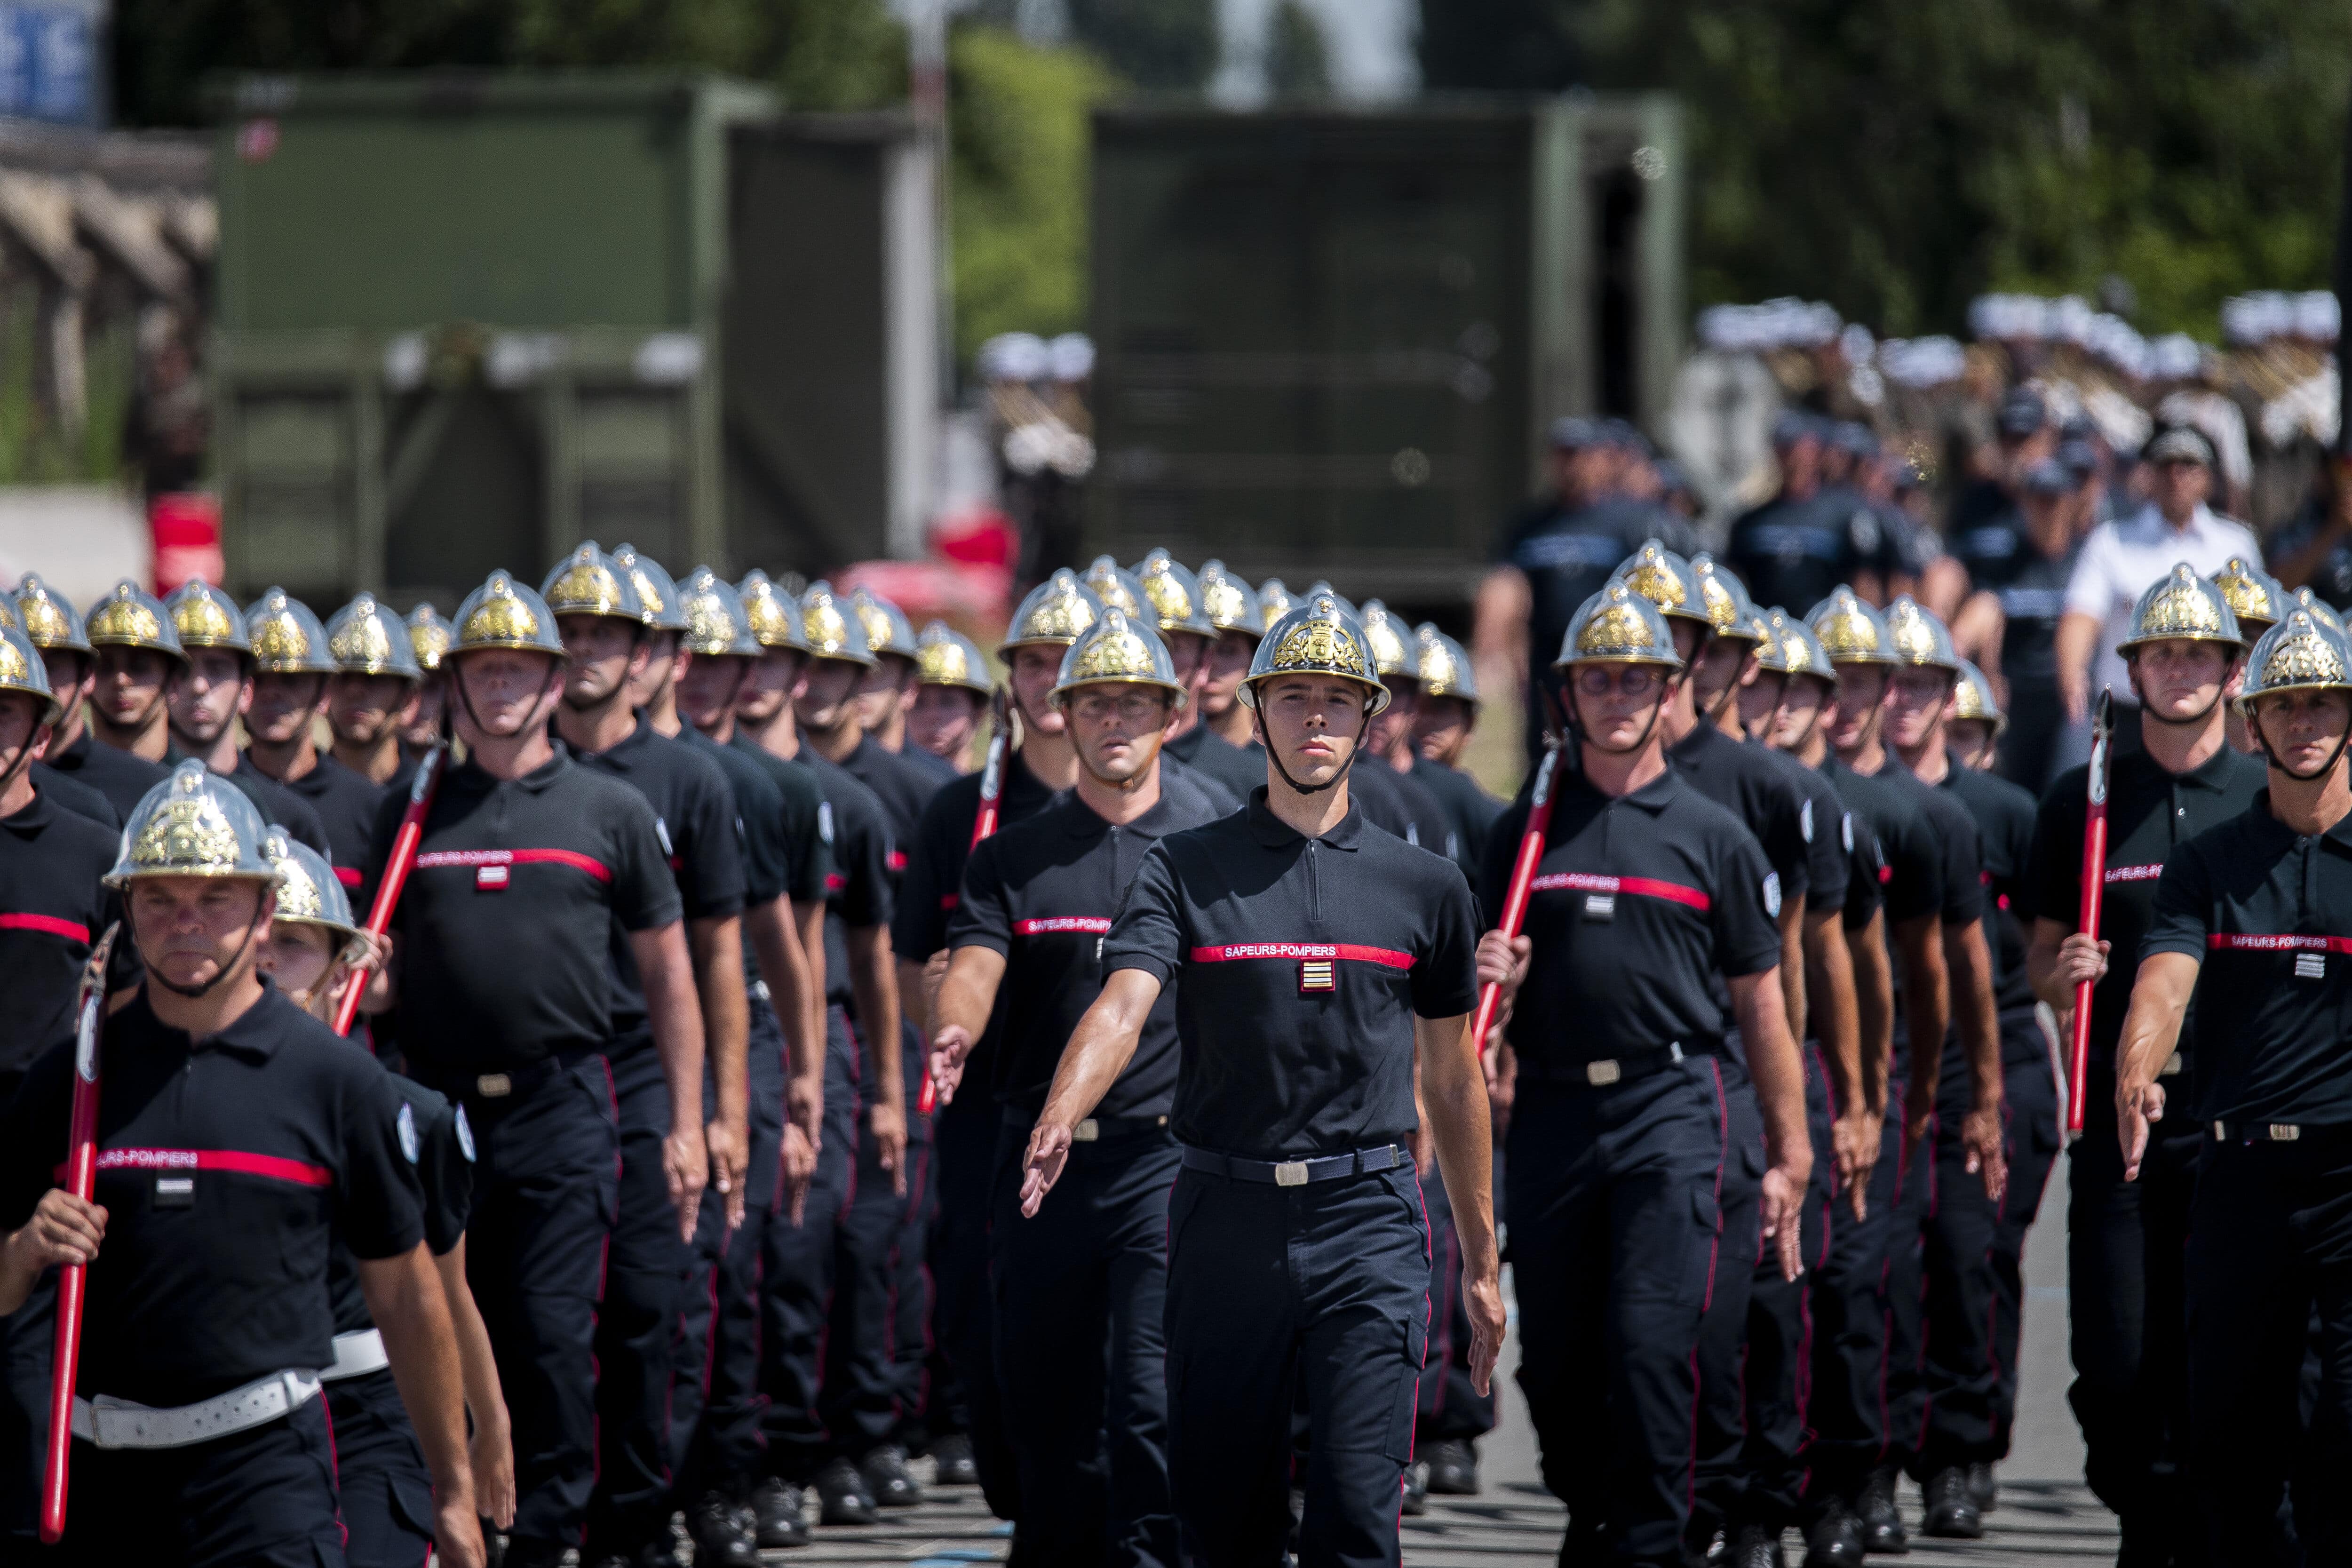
1713,1245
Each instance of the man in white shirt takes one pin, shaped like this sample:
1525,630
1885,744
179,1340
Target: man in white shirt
2121,558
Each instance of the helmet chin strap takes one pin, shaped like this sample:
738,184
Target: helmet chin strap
1656,708
23,759
2314,776
225,970
1274,756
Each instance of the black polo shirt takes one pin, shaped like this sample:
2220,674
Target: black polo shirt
808,857
228,1167
71,793
505,930
1866,870
346,803
1826,827
1744,781
932,886
122,778
694,812
2149,813
1303,963
1470,811
435,1139
1043,893
759,828
52,910
1918,870
859,891
2268,912
2003,814
1394,802
1640,902
281,806
1793,552
904,787
1204,751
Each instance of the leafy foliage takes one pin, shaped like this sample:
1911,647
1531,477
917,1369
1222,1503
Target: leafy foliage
1897,159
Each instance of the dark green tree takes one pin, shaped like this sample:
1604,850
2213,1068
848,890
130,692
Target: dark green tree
1297,61
1163,45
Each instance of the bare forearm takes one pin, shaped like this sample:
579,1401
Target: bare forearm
2160,999
1979,1020
1100,1050
1829,992
726,1016
478,1368
1873,1011
405,1298
1453,1092
1772,1063
914,1002
875,989
968,995
675,1017
1926,992
785,965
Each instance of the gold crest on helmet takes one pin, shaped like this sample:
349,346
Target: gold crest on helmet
429,637
2251,594
501,618
2303,656
1655,580
1849,631
1112,656
944,663
1618,628
586,588
362,642
1058,610
204,618
1318,645
192,825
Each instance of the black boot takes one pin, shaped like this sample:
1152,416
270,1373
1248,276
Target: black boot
1836,1538
1757,1547
1983,1486
888,1478
1882,1521
716,1527
1454,1467
952,1463
1951,1513
1416,1487
777,1520
841,1497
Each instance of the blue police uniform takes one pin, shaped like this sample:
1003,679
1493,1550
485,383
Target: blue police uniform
1297,1251
1616,1164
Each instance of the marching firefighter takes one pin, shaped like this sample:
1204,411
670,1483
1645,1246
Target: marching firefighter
1651,909
1090,1274
374,693
212,688
1296,1253
1179,602
239,1143
293,666
2127,1294
531,867
57,634
952,694
2253,925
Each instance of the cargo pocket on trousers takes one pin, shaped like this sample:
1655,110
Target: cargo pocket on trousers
1407,1396
1698,1270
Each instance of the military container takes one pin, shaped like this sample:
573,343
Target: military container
1330,343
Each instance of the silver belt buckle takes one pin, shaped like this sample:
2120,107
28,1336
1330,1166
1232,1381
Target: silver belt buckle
1291,1174
1602,1073
2285,1133
493,1086
2172,1065
1086,1131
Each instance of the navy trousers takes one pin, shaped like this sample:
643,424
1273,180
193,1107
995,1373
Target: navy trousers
383,1488
2029,1089
262,1498
1722,1424
912,1346
1273,1290
546,1175
862,1400
1777,1369
1451,1410
1615,1202
1081,1292
798,1270
964,1315
635,1335
2270,1276
1847,1407
716,1403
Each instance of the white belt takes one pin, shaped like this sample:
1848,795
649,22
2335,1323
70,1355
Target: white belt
357,1353
120,1423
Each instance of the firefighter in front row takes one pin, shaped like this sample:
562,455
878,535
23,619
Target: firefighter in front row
1647,893
1089,1275
2253,925
239,1141
1321,959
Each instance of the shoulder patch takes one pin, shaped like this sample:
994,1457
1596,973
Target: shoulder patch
464,1136
661,830
1772,894
825,820
1805,818
1845,828
408,1130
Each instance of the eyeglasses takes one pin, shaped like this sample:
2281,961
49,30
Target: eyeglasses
1094,707
1637,680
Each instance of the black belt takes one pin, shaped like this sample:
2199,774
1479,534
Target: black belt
2279,1132
1629,1069
1093,1130
1294,1172
512,1086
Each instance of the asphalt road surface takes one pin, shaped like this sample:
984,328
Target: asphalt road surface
2046,1518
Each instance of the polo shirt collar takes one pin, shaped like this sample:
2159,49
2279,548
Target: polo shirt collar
33,817
538,779
1653,797
2341,834
1081,821
254,1033
1270,830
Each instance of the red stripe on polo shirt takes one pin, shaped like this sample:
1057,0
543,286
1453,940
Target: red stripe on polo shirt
1643,887
47,925
2133,873
1347,950
950,900
571,857
348,876
1048,927
2249,942
896,861
273,1166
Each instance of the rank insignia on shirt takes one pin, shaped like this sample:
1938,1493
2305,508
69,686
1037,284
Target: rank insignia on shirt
490,878
1315,975
2311,967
